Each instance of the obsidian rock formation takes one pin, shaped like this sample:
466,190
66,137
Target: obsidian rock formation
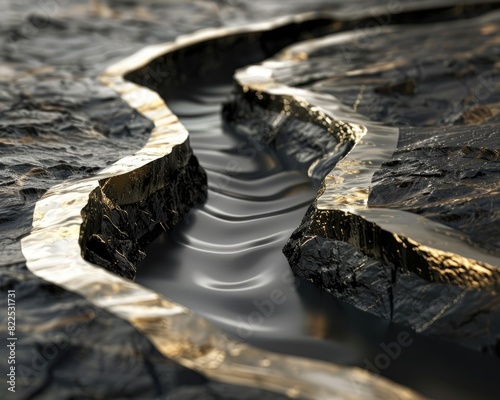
358,241
287,126
127,212
449,175
341,264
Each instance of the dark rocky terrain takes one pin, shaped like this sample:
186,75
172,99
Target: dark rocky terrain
441,91
58,123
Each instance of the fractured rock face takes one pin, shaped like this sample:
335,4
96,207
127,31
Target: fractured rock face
127,212
449,175
405,227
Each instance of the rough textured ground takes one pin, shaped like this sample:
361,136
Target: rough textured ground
442,91
57,123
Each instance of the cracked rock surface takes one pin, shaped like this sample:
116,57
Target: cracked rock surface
58,123
442,94
124,214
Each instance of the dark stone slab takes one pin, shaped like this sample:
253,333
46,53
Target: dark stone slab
296,136
127,212
449,175
439,85
352,272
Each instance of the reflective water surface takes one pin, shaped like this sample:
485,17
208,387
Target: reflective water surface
225,263
230,247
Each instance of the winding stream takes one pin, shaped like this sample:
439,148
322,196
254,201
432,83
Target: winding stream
227,256
225,261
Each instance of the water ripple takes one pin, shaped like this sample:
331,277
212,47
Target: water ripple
226,263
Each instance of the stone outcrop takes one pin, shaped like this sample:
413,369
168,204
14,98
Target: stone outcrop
404,226
127,212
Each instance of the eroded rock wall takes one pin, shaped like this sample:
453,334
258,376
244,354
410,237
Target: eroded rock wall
405,226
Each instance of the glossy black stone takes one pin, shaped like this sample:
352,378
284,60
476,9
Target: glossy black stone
442,92
125,213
